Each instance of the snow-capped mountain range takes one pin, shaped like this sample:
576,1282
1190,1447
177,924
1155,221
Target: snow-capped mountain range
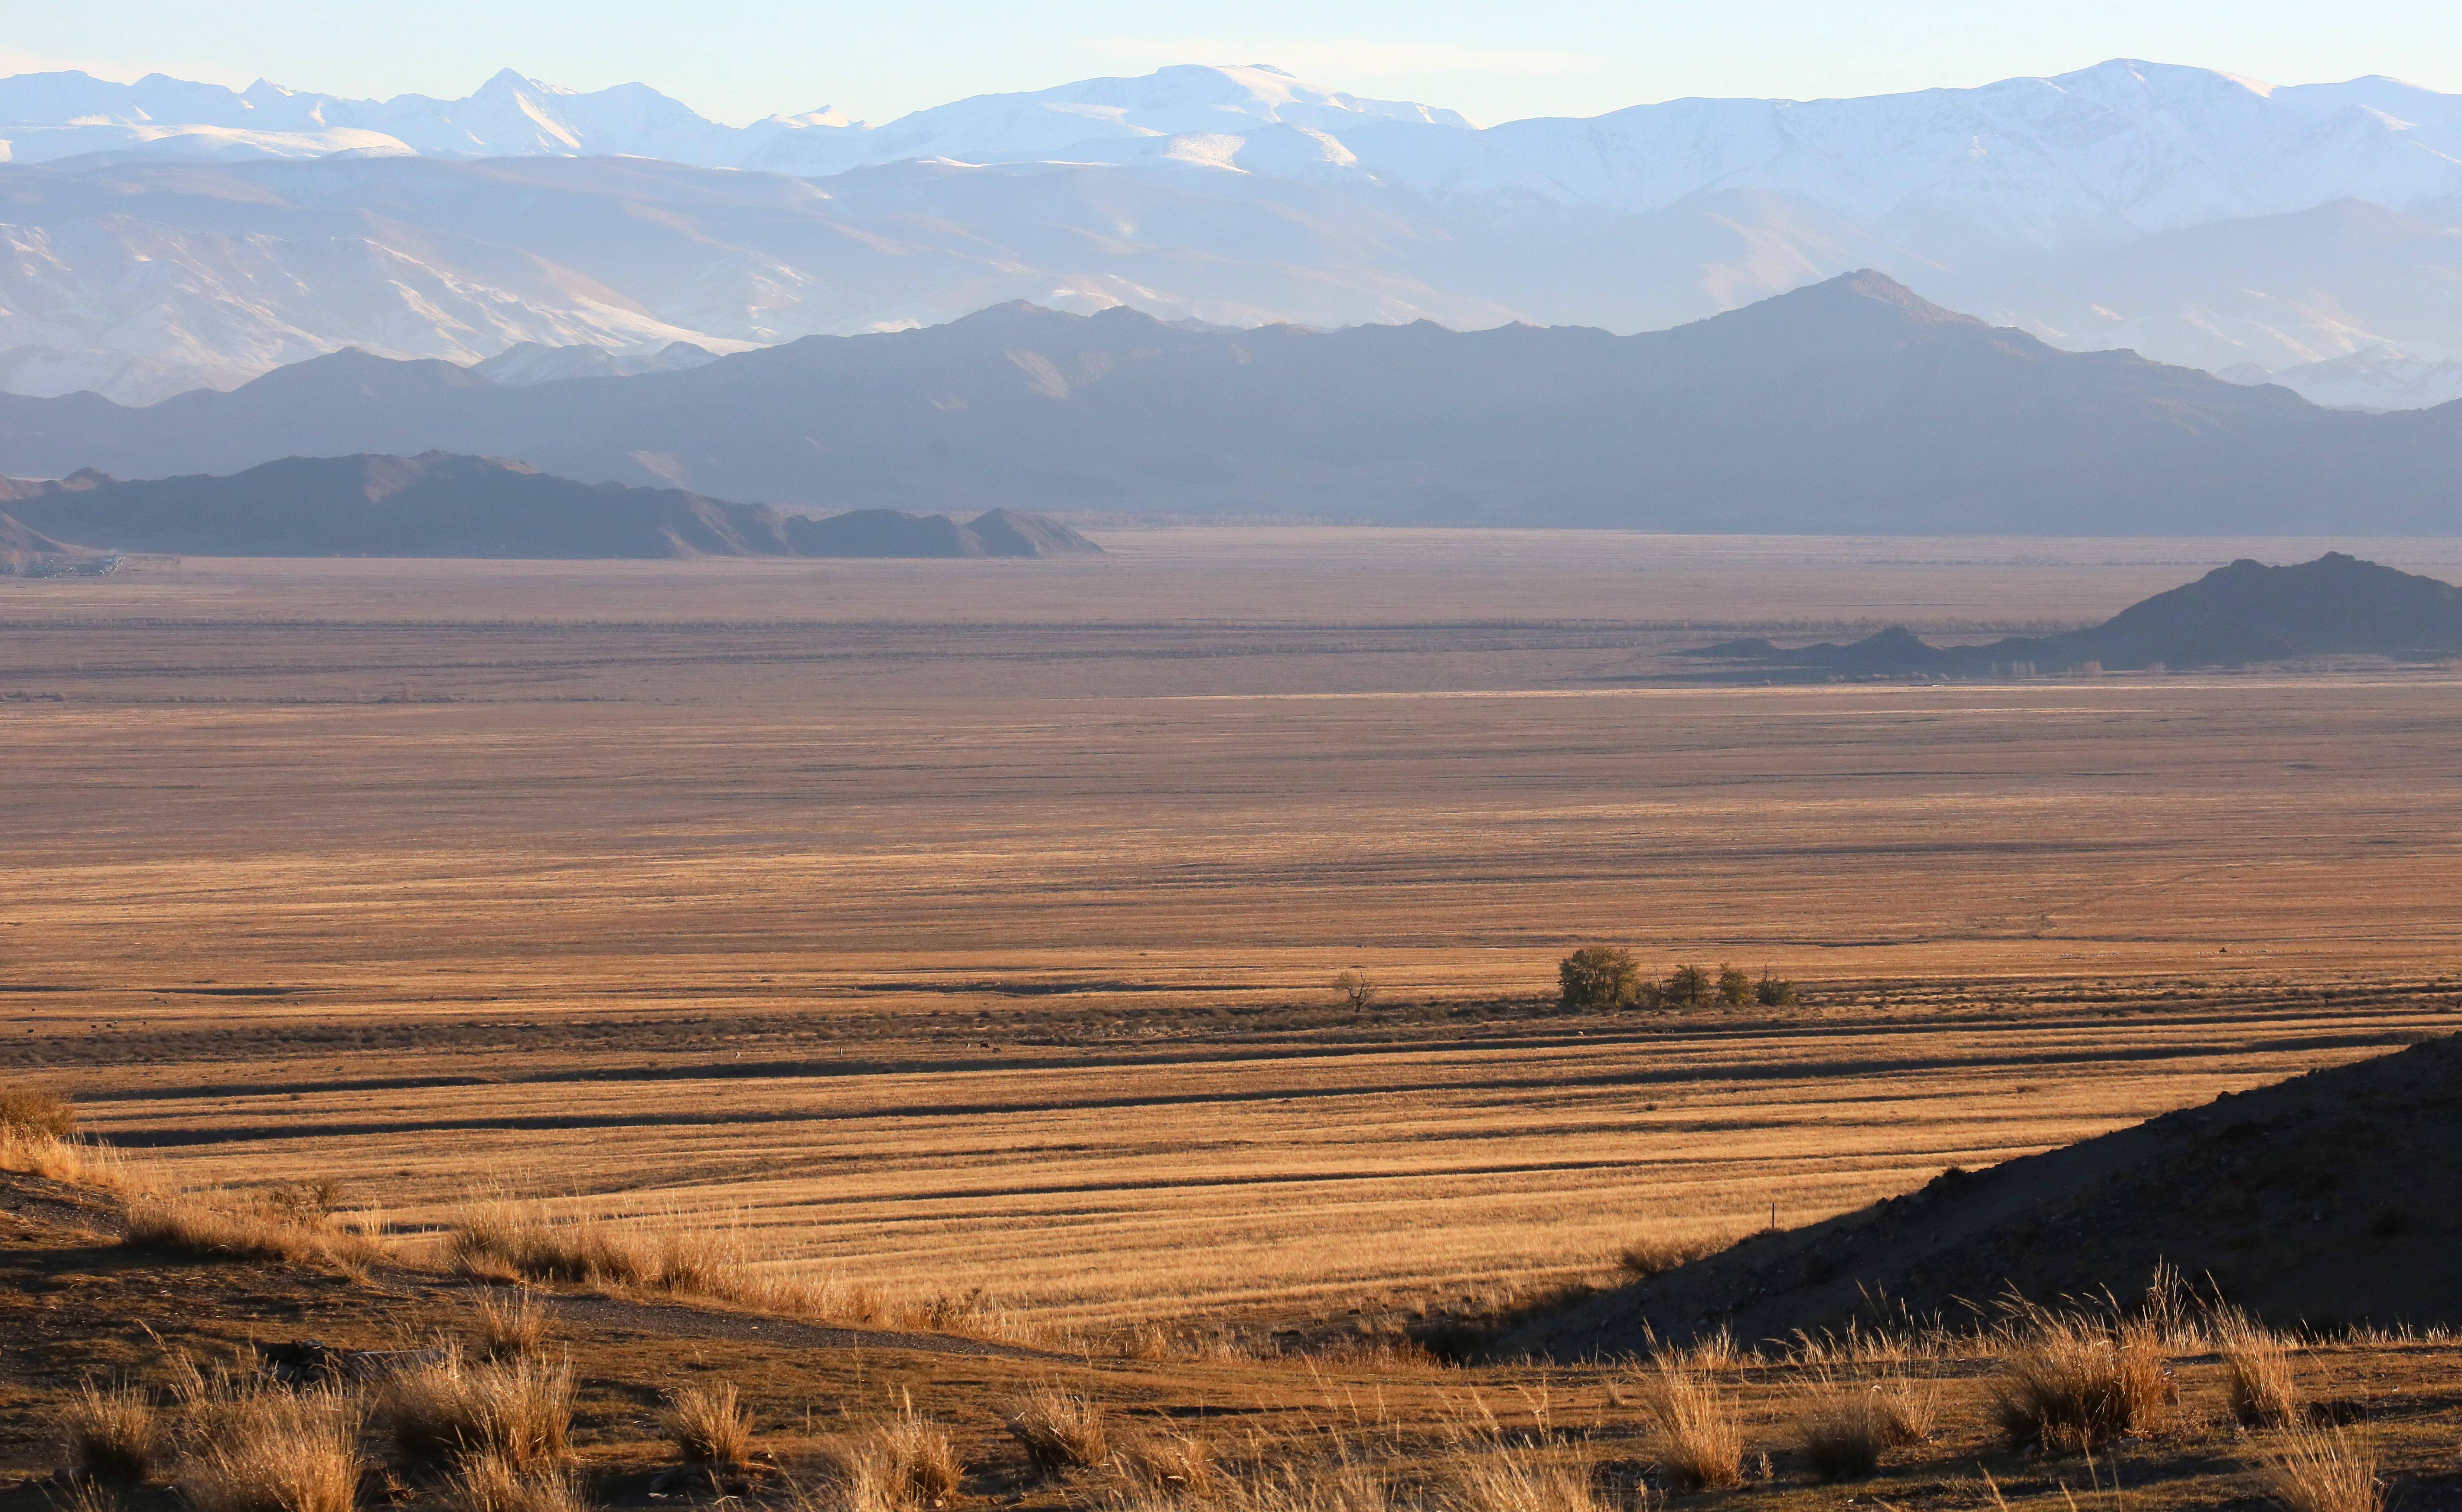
166,234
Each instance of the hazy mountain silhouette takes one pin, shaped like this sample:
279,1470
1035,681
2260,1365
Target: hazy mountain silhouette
437,504
2246,612
1850,405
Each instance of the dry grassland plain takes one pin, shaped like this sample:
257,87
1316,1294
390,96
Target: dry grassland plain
966,924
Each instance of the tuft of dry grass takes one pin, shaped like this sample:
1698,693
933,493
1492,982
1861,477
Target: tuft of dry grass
1508,1479
449,1409
1059,1432
37,1113
277,1452
511,1325
183,1223
2321,1468
2069,1383
1168,1464
115,1436
1697,1436
900,1462
1908,1407
1842,1433
707,1425
2263,1387
487,1482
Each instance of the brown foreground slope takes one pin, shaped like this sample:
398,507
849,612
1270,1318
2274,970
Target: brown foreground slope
2330,1199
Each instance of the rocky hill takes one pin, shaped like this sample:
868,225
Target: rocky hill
2336,605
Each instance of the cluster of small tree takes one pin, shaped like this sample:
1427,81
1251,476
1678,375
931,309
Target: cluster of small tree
1605,977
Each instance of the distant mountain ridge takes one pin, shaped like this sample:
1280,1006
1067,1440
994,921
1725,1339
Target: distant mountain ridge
441,504
2336,605
1849,406
164,235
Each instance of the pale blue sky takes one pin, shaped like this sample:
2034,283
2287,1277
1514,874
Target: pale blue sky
739,59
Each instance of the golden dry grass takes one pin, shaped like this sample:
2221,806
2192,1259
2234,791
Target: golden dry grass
2069,1383
115,1434
2264,1385
2322,1468
277,1452
511,1325
708,1424
1060,1431
1698,1438
443,1411
932,921
487,1481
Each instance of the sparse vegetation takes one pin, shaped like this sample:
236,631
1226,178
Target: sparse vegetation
708,1424
1356,990
1058,1430
910,1461
1773,991
1168,1464
1598,977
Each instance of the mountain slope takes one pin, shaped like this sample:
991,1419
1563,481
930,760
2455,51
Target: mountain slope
2320,1200
432,504
1851,405
165,235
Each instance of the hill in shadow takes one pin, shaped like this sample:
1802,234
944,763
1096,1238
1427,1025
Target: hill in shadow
2247,612
2327,1199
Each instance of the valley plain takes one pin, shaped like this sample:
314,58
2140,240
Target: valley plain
968,924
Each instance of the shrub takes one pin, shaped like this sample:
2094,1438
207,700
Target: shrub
1059,1432
1734,987
1841,1437
278,1452
2069,1383
1355,989
35,1113
2319,1468
1598,977
1687,988
707,1425
2264,1392
1699,1439
448,1410
1774,992
114,1438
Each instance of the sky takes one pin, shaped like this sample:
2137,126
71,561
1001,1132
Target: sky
737,60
